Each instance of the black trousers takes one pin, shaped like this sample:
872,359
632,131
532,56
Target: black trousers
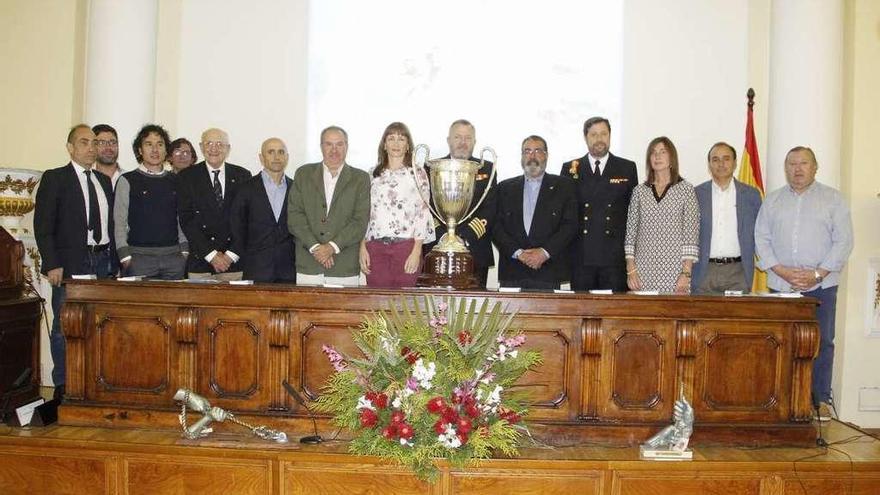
599,278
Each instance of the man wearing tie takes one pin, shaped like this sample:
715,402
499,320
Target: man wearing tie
328,210
205,195
535,223
259,219
72,225
604,184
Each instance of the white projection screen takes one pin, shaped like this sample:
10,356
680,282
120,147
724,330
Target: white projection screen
512,68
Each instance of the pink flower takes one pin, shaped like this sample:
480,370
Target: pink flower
335,358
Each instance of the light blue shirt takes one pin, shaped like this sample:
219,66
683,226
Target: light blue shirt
275,192
811,230
531,189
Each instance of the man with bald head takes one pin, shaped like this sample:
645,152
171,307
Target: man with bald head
258,219
205,195
803,237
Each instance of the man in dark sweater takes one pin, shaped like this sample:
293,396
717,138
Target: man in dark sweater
149,240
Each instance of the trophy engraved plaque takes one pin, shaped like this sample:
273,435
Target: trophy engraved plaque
449,264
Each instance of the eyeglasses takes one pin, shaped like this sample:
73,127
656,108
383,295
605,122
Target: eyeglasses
106,142
537,151
215,144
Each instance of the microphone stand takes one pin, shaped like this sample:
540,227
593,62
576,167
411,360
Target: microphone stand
311,439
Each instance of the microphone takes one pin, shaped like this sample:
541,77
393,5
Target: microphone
312,439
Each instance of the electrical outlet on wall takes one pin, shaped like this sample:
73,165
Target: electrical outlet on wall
869,398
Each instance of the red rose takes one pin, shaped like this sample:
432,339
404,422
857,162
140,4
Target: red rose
472,411
436,405
405,431
450,415
370,396
368,418
464,425
389,432
410,356
440,426
397,417
462,437
380,401
464,337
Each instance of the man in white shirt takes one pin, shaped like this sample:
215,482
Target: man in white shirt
728,209
328,210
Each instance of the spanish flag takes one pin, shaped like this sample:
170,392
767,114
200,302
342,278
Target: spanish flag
750,173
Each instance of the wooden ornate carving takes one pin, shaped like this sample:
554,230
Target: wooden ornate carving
187,333
805,343
634,353
685,351
548,388
591,340
73,324
234,358
741,371
280,326
149,338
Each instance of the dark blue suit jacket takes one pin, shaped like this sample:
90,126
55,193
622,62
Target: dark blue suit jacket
748,202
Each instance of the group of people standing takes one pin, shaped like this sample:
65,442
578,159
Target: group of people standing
593,225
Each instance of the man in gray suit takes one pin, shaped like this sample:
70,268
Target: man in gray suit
328,210
727,227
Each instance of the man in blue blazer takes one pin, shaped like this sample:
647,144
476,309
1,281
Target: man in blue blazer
258,220
728,209
73,225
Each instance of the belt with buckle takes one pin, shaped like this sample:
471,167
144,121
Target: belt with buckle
98,249
390,240
725,261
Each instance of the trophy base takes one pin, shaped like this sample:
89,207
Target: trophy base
445,269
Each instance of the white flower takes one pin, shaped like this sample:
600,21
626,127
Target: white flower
396,403
514,353
449,439
389,345
495,396
424,374
365,403
405,442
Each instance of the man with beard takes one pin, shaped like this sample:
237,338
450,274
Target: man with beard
107,143
604,184
535,223
259,219
475,232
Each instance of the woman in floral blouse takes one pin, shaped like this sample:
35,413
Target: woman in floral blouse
391,252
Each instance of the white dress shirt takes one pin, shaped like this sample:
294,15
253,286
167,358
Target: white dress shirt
103,205
602,162
725,240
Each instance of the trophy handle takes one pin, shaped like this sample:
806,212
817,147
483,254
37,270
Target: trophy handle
432,209
488,186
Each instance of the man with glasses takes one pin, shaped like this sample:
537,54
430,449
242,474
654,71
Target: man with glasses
107,143
205,195
535,223
604,184
72,226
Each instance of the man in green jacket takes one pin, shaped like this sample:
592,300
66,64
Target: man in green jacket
328,210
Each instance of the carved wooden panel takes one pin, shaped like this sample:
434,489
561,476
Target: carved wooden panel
166,474
685,483
187,333
638,370
145,340
552,387
73,325
316,330
308,478
234,357
741,369
525,481
31,472
591,352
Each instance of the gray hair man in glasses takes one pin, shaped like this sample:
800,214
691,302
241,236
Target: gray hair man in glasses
204,198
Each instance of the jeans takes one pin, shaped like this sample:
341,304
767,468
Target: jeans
97,264
824,362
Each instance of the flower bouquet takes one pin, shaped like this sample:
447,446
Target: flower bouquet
434,381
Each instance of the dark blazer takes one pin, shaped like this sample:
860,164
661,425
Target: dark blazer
553,228
60,223
205,224
748,202
264,244
476,232
603,204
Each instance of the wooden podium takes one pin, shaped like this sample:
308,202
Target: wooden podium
613,365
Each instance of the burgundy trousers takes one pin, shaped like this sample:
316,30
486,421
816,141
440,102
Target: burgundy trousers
386,264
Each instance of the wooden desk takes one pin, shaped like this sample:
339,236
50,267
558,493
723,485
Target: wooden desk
613,365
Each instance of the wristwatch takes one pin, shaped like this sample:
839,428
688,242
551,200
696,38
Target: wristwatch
817,276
